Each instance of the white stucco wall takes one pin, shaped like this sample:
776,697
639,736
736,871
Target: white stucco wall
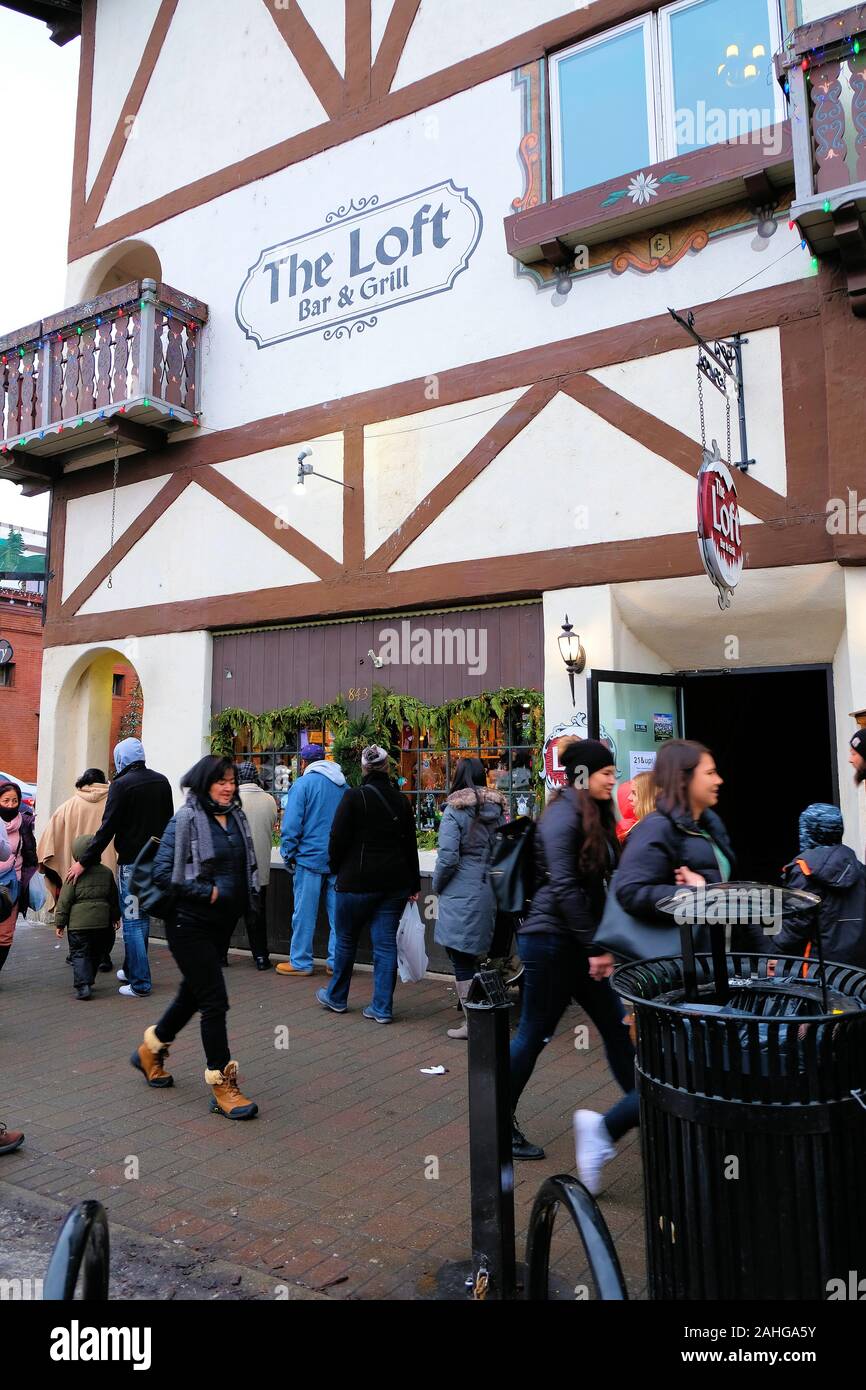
849,685
175,674
449,31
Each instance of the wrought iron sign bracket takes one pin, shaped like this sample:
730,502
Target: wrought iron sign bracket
721,362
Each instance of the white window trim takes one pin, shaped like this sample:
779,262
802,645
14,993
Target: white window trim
660,86
668,141
645,22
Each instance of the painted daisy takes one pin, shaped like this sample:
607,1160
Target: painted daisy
643,188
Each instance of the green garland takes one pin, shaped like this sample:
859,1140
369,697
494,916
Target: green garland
276,728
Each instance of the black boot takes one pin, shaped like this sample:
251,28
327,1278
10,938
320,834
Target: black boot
520,1145
263,963
4,951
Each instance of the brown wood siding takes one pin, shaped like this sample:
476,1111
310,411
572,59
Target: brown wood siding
285,667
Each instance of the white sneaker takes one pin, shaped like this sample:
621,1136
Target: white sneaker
129,991
592,1148
121,977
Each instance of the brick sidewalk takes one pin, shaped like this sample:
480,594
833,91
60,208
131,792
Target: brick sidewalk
329,1182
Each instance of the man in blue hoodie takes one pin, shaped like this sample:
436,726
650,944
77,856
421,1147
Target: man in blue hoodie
827,867
309,814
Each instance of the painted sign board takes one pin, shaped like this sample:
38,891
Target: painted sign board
366,258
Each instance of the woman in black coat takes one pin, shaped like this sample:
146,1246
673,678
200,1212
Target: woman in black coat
206,867
682,842
576,852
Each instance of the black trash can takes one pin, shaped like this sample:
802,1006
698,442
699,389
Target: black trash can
753,1121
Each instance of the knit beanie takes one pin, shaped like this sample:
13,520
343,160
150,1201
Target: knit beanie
248,772
374,759
312,752
586,755
858,742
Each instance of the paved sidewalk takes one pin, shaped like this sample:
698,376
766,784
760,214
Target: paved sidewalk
333,1186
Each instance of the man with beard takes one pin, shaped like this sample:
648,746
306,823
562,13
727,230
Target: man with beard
857,756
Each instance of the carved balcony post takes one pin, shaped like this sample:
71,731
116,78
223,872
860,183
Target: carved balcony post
142,372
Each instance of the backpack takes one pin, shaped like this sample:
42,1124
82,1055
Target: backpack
512,865
151,900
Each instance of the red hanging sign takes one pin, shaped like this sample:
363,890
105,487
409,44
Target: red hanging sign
719,532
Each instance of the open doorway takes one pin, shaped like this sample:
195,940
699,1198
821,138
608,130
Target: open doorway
771,733
770,729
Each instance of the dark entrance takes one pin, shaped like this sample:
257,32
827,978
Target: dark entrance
772,733
772,736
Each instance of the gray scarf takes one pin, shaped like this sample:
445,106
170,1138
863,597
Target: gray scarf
193,844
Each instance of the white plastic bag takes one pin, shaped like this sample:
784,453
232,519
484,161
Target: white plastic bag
36,892
411,951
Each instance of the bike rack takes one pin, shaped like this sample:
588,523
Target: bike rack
604,1267
83,1240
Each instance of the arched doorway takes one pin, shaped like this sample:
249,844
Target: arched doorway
99,703
130,260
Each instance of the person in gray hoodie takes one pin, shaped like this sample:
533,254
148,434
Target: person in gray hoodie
467,907
307,821
831,870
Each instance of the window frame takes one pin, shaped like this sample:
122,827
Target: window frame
666,71
8,684
645,22
658,59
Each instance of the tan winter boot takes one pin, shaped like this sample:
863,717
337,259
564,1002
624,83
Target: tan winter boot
463,987
149,1057
227,1098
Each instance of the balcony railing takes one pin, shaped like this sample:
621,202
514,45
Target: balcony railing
123,369
823,69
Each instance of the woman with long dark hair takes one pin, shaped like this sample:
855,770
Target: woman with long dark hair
467,907
206,866
17,860
576,852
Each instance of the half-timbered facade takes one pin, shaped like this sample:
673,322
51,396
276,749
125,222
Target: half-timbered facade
435,242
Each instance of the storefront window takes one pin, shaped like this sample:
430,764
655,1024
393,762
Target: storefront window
504,747
279,767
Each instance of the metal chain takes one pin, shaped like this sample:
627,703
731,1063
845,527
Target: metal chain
701,406
113,505
728,423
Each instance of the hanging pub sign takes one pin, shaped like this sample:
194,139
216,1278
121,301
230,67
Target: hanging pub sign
368,257
719,535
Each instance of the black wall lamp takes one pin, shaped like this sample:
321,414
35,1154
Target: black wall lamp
572,653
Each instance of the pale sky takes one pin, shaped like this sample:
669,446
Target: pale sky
40,88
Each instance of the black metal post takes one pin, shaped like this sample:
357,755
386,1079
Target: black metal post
491,1168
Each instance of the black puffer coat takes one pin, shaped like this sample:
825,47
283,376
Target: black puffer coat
835,873
567,901
659,845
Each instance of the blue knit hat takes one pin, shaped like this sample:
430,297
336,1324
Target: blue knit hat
312,752
820,824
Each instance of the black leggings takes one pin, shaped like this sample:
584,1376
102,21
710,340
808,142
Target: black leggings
198,951
465,965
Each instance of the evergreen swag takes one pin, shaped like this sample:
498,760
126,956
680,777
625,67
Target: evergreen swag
384,724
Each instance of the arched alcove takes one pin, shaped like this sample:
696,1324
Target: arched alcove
129,260
99,703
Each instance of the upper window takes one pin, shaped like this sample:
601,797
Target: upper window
697,73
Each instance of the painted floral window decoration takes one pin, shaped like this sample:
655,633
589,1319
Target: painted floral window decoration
643,188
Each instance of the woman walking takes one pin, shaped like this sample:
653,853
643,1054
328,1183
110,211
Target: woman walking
373,850
17,859
576,851
206,866
467,907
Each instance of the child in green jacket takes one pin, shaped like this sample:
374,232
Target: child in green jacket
90,908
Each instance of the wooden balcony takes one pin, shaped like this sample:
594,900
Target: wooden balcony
823,70
117,374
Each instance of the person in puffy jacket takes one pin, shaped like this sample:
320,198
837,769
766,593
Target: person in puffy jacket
831,870
89,908
309,815
206,867
576,852
17,860
374,854
467,907
681,842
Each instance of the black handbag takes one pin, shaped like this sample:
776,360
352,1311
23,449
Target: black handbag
152,901
512,865
633,938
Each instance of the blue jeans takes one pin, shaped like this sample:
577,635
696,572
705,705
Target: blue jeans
136,932
307,890
557,971
381,912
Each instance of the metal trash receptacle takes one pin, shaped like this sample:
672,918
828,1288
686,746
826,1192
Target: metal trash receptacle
753,1121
